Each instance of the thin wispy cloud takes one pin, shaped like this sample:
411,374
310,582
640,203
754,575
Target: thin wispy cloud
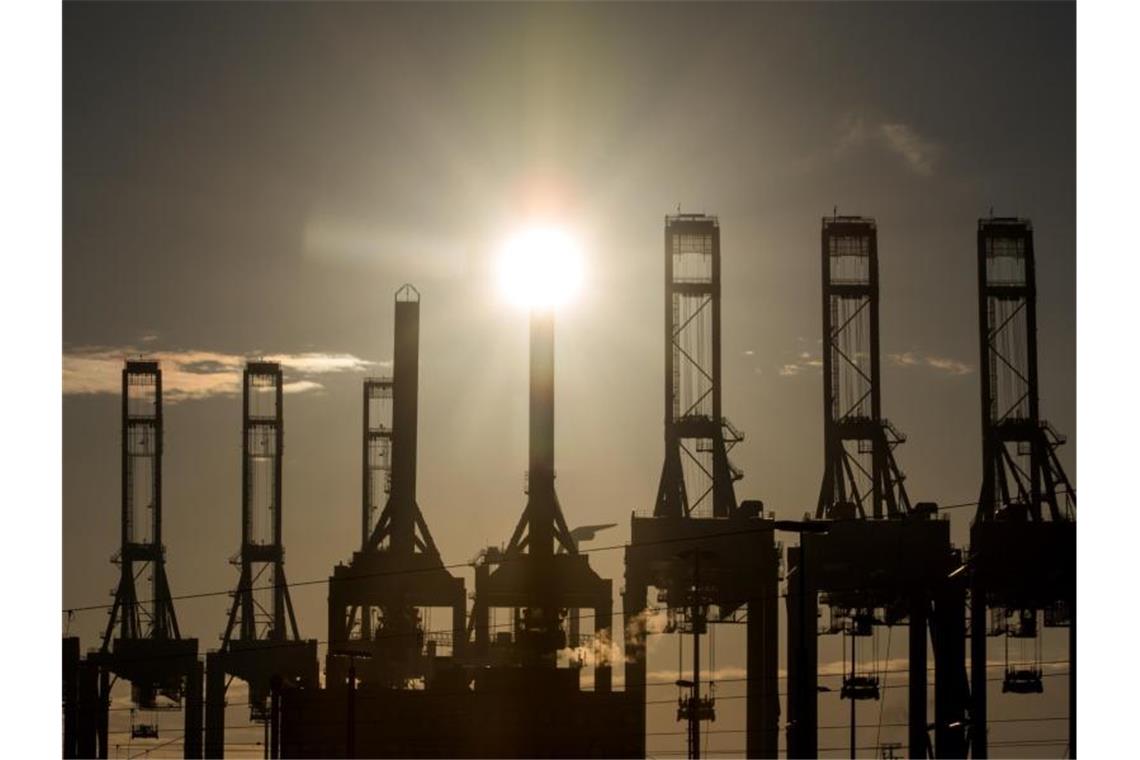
807,362
939,363
301,386
892,668
919,153
196,374
804,362
319,364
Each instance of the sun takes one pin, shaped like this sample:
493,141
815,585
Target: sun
540,268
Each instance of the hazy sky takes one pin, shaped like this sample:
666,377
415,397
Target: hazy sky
258,179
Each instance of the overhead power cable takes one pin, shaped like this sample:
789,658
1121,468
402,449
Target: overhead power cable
453,566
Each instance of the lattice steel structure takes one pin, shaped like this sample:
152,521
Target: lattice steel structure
506,696
262,555
859,464
1023,539
875,560
261,641
1022,478
377,471
696,508
142,643
377,453
375,601
142,551
390,450
697,477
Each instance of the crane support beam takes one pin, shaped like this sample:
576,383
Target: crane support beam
1023,538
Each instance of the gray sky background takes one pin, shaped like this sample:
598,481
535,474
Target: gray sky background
258,179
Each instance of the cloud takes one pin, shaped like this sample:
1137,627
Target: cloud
807,361
318,364
892,670
301,386
803,362
195,374
731,673
940,363
811,362
919,153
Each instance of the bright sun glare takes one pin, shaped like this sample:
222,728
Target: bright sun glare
540,268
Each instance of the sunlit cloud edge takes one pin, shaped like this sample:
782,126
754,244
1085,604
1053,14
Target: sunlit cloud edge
190,374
